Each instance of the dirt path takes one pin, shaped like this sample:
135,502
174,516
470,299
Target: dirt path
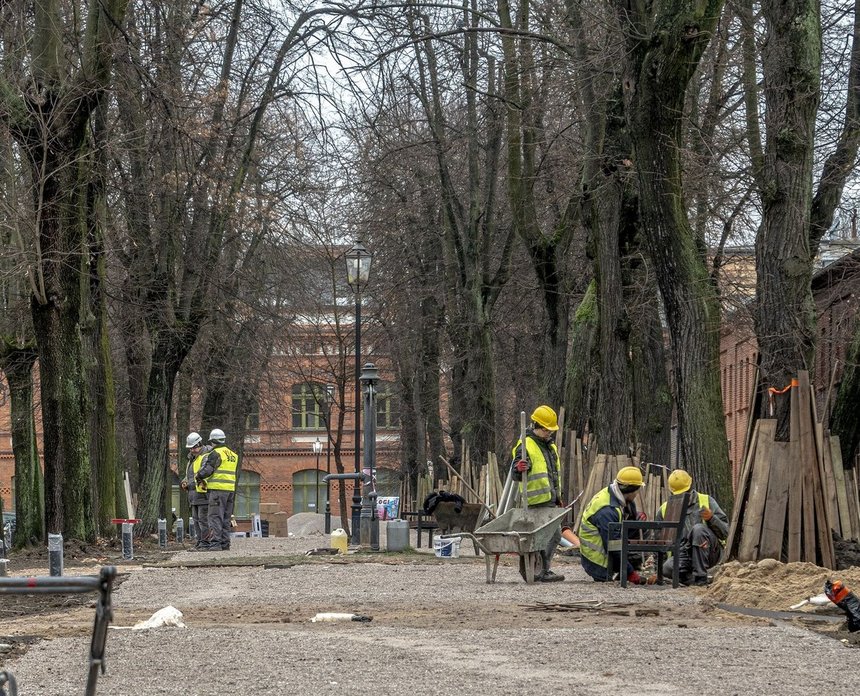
437,628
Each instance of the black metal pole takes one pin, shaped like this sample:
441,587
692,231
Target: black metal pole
317,501
327,483
356,491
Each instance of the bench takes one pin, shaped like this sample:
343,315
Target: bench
102,583
420,520
665,537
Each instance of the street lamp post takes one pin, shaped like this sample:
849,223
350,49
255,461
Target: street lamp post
369,519
317,450
358,260
329,397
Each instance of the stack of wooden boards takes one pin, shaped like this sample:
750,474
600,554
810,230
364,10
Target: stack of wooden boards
606,467
791,494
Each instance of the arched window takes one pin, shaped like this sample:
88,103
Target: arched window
308,400
308,491
247,501
387,409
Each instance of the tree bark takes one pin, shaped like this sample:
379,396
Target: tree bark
664,48
17,365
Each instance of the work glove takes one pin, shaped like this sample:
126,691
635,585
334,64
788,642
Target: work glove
522,465
706,514
651,579
636,579
641,517
183,485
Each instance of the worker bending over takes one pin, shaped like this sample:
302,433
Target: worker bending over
704,535
543,486
611,504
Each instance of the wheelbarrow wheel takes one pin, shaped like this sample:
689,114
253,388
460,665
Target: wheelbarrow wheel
536,561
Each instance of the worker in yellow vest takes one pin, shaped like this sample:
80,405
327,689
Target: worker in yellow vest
614,503
542,467
705,531
219,472
198,498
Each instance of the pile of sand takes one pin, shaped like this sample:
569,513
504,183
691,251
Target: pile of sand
769,584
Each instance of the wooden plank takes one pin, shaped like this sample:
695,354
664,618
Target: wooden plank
841,491
595,483
748,548
830,497
853,502
816,528
795,489
741,494
776,507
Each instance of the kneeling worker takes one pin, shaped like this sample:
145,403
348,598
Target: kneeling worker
705,531
612,504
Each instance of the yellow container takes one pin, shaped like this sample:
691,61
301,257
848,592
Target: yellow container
339,540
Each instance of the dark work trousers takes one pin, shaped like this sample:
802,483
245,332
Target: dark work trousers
200,513
551,547
700,550
218,535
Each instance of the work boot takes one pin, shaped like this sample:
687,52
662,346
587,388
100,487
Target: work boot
701,581
549,576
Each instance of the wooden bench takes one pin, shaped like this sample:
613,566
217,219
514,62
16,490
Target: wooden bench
420,520
665,537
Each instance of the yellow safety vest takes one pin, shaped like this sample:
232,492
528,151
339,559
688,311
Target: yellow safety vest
590,544
538,488
224,477
200,487
704,502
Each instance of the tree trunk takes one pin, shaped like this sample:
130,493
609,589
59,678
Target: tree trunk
663,52
845,422
785,316
582,373
183,427
17,364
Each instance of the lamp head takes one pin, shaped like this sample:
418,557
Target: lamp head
358,260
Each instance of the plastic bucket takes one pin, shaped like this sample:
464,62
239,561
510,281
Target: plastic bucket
339,540
447,548
397,535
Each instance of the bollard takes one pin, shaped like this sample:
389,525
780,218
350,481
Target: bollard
192,528
162,534
180,530
3,563
55,554
127,541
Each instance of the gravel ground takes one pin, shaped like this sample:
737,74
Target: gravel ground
437,628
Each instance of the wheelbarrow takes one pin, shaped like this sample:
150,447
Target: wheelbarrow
525,532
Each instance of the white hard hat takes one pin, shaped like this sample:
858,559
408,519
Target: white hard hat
193,440
217,435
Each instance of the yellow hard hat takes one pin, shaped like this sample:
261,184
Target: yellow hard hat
545,417
680,481
629,476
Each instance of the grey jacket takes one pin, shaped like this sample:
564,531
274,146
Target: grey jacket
195,498
718,524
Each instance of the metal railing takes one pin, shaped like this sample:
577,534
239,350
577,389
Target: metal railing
101,583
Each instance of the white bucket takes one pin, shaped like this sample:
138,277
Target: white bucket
447,548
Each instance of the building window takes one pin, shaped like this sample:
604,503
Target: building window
308,400
252,419
387,482
247,500
387,413
308,491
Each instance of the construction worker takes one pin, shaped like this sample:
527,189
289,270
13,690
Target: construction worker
611,504
198,499
219,472
705,531
543,486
